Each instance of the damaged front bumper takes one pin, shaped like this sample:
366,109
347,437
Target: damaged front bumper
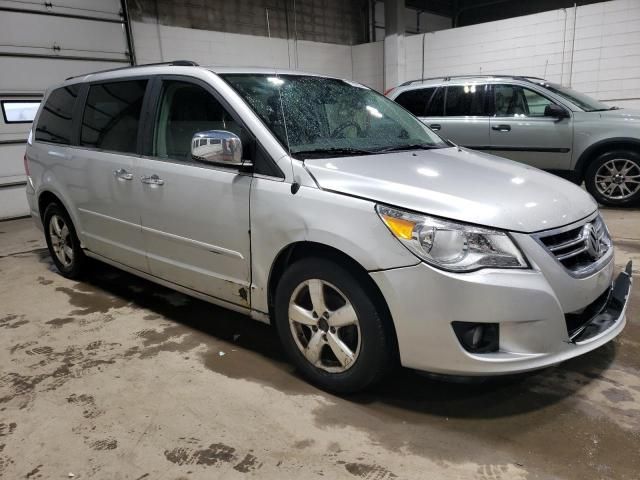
603,314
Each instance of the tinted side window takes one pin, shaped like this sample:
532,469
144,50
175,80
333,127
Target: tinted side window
416,100
184,110
54,124
112,116
514,100
463,100
436,105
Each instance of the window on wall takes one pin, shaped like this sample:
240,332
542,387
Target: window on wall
186,109
54,124
465,100
514,100
16,111
112,116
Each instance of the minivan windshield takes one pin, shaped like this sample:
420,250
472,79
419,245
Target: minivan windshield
319,117
585,102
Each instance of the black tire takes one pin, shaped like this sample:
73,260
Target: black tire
597,165
77,264
374,358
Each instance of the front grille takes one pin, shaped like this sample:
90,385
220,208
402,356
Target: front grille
579,248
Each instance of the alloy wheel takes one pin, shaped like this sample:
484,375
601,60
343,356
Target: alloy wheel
61,240
618,179
324,325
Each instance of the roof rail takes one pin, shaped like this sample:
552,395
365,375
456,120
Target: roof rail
446,78
175,63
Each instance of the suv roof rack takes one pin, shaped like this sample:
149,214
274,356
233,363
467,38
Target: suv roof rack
446,78
175,63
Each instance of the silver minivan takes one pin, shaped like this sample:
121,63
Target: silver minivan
322,207
540,123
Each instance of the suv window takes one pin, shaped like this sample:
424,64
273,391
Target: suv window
514,100
112,116
184,110
465,100
54,123
436,105
416,100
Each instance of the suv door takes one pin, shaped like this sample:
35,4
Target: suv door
458,113
520,130
105,165
194,215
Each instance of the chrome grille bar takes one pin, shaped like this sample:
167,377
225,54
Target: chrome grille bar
581,248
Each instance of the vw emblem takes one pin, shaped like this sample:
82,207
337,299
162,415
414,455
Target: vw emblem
591,241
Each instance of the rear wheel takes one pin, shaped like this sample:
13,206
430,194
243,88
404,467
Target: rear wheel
330,327
63,242
614,178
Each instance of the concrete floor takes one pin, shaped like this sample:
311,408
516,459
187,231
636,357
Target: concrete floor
117,378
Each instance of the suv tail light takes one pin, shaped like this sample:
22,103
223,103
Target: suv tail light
388,91
26,166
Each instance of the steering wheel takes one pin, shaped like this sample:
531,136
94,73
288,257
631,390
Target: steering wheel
347,124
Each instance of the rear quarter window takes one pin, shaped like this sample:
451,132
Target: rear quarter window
54,123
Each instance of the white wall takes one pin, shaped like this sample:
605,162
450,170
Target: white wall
367,64
158,43
603,60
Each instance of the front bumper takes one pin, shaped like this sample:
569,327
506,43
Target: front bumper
529,308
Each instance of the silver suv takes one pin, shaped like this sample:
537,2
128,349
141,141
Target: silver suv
538,123
326,209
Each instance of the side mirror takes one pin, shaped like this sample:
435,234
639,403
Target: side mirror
217,146
555,111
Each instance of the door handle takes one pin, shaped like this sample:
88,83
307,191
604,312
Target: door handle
122,174
435,126
501,128
152,180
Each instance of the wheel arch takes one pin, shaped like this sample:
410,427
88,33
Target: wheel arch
603,146
308,249
45,198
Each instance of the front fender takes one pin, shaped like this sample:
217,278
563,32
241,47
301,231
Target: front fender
345,223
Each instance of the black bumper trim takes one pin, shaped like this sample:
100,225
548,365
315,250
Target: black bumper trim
608,312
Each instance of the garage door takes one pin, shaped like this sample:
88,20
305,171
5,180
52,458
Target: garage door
42,43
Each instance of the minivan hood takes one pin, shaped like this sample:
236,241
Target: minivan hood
459,184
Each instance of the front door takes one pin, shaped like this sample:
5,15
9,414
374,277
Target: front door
521,131
194,215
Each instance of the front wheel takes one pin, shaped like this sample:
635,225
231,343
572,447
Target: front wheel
330,327
614,178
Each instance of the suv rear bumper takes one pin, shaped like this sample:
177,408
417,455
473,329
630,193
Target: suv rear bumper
533,330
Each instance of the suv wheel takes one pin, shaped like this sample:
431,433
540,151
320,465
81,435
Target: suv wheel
614,178
63,242
330,328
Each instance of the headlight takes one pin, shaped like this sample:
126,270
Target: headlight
452,246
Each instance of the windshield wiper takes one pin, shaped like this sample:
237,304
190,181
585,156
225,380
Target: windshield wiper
411,146
334,151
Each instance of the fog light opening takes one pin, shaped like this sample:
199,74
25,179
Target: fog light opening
478,337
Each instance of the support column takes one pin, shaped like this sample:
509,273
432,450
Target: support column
394,54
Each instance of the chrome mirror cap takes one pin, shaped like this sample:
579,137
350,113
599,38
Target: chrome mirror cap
217,146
